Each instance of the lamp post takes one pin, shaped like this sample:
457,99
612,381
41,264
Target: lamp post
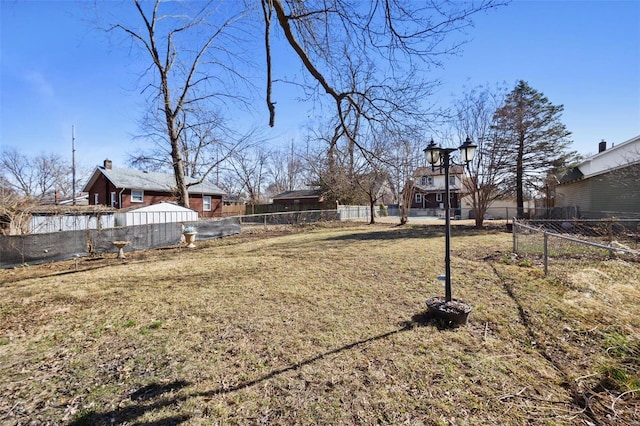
441,157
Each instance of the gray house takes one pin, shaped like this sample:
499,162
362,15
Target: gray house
605,184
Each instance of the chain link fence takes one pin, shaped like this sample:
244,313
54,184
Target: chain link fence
267,220
558,246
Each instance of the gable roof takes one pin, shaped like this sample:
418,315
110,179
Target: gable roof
149,181
573,174
619,156
454,169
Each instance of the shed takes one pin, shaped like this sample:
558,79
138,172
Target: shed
163,212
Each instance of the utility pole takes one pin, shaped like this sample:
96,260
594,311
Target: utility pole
73,164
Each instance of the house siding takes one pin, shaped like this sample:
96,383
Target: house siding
103,187
429,201
149,198
574,194
196,202
616,191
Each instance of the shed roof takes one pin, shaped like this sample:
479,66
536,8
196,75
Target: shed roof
299,193
163,206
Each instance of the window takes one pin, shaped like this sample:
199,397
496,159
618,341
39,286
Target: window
426,180
96,199
137,196
206,203
113,199
438,198
452,180
418,198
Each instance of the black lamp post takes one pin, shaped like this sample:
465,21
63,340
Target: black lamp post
441,157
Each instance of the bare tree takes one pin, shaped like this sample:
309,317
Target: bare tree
404,155
249,168
15,212
344,46
368,58
473,118
233,187
179,82
35,177
373,183
285,168
331,36
205,145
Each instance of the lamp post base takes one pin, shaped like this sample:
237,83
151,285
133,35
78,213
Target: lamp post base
453,313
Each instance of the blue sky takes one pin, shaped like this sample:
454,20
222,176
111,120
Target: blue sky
57,70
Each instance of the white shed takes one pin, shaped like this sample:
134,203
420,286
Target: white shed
162,212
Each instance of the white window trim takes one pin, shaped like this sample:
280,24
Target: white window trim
113,199
438,197
204,203
135,200
418,197
96,198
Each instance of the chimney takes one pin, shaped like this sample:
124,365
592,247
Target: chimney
107,164
602,146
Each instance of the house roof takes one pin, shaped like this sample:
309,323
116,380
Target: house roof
571,175
616,157
297,194
149,181
429,171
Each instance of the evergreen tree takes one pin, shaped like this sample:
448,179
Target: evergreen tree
528,129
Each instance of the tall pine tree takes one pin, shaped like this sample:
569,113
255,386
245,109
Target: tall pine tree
529,130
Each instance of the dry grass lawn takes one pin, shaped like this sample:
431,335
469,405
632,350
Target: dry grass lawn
322,324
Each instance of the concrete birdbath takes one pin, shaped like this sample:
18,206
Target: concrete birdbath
120,246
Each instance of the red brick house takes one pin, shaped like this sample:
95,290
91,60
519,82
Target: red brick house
127,188
428,187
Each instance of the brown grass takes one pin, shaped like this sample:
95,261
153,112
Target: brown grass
322,324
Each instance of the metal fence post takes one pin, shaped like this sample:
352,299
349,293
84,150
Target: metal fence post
546,253
515,236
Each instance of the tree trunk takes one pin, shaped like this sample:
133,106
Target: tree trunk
520,178
182,194
373,211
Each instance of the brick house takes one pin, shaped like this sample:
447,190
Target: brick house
127,188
